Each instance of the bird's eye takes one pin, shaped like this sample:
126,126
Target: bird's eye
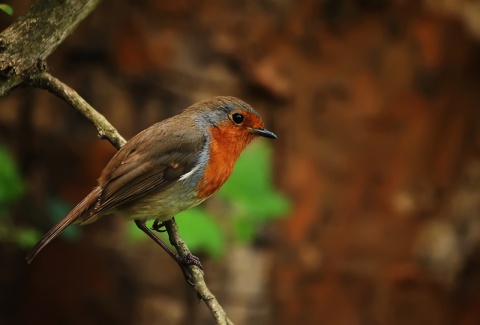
237,118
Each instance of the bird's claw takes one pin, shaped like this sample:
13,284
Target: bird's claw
189,259
158,225
184,262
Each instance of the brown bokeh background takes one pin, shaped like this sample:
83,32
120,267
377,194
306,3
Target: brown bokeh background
375,103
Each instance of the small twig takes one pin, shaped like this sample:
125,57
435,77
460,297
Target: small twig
46,81
197,274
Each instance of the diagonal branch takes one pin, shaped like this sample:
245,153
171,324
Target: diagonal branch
46,81
26,44
197,274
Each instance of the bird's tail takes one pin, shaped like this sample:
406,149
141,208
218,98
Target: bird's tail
73,216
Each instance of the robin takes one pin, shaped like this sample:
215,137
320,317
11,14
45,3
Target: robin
169,167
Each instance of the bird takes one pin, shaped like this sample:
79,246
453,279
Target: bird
167,168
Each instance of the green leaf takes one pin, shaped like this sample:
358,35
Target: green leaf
244,230
6,8
27,237
201,232
251,194
197,228
11,185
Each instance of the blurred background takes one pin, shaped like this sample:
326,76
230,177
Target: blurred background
364,211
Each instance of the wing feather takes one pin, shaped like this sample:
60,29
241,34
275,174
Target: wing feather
137,170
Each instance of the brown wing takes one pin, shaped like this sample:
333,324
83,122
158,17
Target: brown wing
137,169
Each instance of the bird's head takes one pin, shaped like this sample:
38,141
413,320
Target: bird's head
231,119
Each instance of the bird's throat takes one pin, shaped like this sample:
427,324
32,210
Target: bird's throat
225,147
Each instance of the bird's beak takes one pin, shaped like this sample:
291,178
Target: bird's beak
263,133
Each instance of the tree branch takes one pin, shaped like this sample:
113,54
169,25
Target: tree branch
26,44
35,35
46,81
197,274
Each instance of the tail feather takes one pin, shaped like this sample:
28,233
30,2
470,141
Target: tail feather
73,216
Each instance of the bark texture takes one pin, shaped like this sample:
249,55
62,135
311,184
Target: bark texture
34,36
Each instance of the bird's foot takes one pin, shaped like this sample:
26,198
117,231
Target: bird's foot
159,226
189,259
184,262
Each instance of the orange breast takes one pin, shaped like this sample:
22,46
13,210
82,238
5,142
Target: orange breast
226,145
